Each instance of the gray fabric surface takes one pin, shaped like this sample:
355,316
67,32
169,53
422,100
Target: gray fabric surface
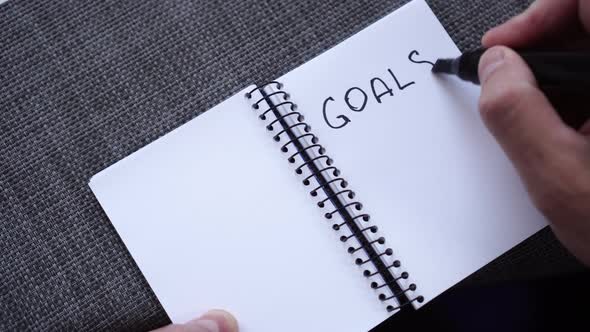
85,83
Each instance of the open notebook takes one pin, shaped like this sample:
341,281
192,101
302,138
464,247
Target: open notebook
355,186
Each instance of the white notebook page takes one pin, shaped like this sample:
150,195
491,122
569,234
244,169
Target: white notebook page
215,218
441,190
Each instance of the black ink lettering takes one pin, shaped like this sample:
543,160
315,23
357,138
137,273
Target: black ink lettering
347,99
399,86
387,91
343,117
414,53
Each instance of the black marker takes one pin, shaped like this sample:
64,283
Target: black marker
553,70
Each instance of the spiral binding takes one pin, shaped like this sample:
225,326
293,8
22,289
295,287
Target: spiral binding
291,125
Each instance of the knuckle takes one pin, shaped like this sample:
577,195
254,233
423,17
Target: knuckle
499,104
550,202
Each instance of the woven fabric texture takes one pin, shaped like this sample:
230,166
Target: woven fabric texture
85,83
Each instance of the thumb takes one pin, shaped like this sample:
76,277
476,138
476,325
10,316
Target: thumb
212,321
519,115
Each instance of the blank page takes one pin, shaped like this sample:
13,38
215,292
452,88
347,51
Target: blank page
445,197
215,218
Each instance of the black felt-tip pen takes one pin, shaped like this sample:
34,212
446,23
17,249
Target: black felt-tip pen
569,71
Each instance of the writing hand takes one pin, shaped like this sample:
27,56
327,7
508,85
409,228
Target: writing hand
552,159
212,321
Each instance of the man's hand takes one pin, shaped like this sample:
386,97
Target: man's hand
213,321
552,159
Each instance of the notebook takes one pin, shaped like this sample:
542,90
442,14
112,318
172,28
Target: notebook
352,188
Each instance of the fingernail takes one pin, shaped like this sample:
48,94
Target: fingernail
489,62
203,325
215,321
486,36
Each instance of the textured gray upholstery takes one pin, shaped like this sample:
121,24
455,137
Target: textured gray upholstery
85,83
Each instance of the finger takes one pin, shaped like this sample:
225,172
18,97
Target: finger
542,19
223,320
212,321
522,119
